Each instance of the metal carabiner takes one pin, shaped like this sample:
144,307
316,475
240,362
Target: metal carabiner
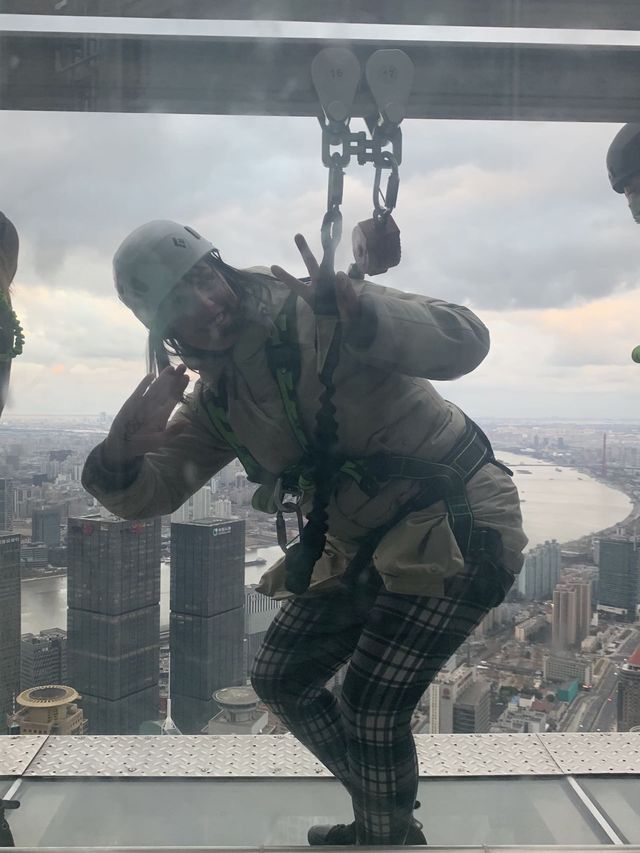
286,506
386,161
280,493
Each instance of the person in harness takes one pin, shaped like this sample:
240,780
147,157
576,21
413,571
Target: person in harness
422,528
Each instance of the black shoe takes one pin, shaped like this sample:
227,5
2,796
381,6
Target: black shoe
343,835
415,835
339,835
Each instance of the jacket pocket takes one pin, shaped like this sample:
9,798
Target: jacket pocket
418,554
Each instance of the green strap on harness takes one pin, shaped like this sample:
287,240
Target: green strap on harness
214,405
444,480
283,356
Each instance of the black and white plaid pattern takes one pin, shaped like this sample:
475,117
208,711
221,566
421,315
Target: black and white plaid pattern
395,645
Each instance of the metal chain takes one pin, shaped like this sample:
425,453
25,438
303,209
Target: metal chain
365,149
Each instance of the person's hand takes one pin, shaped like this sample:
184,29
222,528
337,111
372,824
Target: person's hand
141,424
346,296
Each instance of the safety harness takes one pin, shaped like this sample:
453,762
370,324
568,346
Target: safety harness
440,481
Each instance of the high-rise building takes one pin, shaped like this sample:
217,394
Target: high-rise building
563,626
43,658
9,623
6,504
222,508
195,508
48,710
113,643
618,579
34,557
207,616
443,694
259,613
45,526
571,614
493,621
472,709
629,693
541,571
584,605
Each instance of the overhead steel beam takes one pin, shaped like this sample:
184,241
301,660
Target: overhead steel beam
257,76
552,14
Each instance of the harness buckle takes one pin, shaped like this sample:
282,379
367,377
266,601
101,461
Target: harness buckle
287,500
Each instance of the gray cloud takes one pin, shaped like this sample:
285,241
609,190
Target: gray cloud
502,215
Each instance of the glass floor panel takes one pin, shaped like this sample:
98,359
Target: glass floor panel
543,810
271,812
5,784
619,798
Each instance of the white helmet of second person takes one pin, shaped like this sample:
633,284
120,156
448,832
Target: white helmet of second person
151,261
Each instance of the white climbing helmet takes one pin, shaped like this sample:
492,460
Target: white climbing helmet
151,261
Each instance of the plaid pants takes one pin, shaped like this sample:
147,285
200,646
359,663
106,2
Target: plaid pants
395,645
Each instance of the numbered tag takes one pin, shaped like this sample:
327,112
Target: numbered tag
376,245
336,73
390,77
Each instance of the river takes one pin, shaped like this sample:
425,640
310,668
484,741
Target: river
561,504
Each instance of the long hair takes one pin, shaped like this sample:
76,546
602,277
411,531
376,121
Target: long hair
253,291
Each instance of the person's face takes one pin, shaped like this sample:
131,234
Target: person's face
204,310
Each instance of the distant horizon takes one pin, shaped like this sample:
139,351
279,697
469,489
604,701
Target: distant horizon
537,419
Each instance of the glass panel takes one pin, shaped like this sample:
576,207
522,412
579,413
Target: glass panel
274,812
619,800
155,616
504,811
189,812
5,784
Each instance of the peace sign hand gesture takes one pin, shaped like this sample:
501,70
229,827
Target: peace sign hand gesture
346,296
141,424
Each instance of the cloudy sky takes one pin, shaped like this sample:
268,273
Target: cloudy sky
516,220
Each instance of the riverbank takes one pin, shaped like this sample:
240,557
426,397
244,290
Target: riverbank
627,524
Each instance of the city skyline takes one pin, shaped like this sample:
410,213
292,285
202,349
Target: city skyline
512,645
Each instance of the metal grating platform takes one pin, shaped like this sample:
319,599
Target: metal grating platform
483,755
594,754
17,752
176,756
256,756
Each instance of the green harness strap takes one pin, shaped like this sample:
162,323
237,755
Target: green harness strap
283,356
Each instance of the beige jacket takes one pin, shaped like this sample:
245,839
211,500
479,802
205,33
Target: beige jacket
384,402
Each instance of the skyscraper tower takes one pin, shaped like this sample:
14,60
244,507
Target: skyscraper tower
207,616
113,644
618,577
541,571
45,526
583,603
6,504
571,614
259,613
43,658
629,693
9,623
472,709
564,617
